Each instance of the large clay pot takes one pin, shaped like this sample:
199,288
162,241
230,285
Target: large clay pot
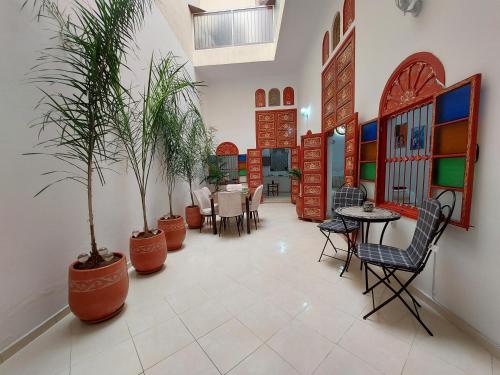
98,294
194,219
299,206
175,231
148,254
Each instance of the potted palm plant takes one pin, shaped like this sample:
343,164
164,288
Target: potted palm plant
139,135
197,145
296,174
216,175
79,77
173,118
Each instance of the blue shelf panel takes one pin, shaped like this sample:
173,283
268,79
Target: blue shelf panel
369,132
453,105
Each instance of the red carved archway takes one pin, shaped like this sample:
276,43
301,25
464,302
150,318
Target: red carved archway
326,48
260,98
417,77
226,148
348,14
288,96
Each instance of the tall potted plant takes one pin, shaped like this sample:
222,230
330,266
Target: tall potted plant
79,77
296,174
197,145
173,117
139,135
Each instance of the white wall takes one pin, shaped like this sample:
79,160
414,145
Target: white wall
42,236
464,35
229,105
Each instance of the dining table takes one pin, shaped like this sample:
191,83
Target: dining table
246,196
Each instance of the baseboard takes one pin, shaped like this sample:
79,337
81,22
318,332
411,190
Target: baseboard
482,340
33,334
39,330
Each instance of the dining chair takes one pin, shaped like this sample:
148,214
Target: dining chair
255,203
230,207
433,218
204,204
345,196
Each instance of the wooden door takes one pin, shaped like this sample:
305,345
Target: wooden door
254,168
295,163
313,175
351,150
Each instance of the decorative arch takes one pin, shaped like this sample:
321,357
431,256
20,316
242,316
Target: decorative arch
348,14
326,47
260,98
417,77
288,96
336,31
226,149
274,97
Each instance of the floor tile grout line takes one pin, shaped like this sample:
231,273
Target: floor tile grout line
201,347
135,348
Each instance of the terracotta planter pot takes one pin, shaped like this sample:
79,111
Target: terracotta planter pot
194,219
98,294
299,206
148,254
175,232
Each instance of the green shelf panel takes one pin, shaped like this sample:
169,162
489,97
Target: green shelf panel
368,171
449,172
243,172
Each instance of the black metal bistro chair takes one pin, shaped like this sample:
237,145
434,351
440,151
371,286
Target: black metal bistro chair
433,218
344,197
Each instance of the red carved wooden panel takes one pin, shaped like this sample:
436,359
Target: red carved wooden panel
295,163
254,168
276,128
260,98
288,96
336,31
348,14
226,148
274,98
313,146
338,86
417,77
326,48
351,150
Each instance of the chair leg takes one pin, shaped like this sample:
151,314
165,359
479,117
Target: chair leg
397,294
220,225
255,219
324,246
346,266
238,225
258,218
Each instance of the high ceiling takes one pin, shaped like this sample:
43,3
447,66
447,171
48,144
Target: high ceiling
299,30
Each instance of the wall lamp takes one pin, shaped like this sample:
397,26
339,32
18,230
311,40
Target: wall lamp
410,6
305,112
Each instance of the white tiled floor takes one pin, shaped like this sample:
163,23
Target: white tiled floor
259,304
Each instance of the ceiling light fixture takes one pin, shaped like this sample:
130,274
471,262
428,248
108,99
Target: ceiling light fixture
410,6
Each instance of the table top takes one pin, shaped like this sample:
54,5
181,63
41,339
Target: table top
246,194
377,215
273,184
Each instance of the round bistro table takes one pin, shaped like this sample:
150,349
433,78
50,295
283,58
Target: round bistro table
378,215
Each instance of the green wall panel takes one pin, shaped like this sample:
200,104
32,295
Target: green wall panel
449,172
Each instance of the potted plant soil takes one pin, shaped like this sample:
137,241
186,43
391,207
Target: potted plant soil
80,106
296,174
197,146
139,135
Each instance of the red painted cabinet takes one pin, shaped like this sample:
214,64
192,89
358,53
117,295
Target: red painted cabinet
313,175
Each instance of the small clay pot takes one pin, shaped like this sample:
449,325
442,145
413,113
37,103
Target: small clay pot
194,219
175,231
98,294
148,254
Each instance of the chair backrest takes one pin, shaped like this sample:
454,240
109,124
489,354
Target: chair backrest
230,204
347,196
429,217
206,191
234,187
203,200
256,197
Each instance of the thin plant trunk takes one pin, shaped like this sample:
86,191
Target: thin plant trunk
191,191
93,244
144,216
